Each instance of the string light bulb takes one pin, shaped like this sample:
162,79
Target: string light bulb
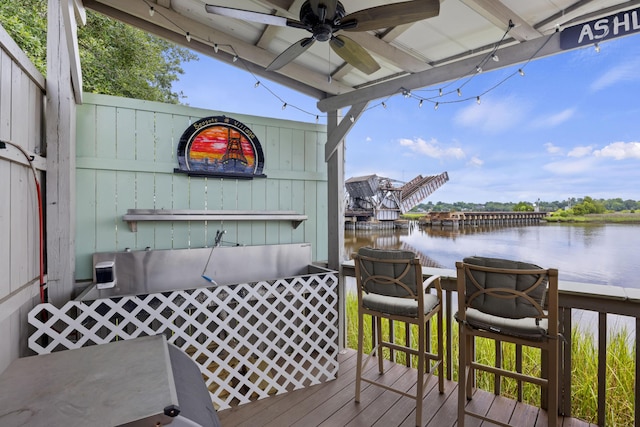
521,72
215,47
257,84
478,69
235,58
152,11
478,100
435,107
384,105
317,118
420,104
495,57
352,119
459,92
188,36
597,47
284,106
440,92
406,93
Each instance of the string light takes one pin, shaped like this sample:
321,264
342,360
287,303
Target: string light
405,92
152,11
597,47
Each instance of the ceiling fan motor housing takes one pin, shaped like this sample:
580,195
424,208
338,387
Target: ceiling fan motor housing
321,26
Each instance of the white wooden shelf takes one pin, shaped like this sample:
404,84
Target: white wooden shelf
133,216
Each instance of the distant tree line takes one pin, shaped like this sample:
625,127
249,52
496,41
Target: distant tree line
575,206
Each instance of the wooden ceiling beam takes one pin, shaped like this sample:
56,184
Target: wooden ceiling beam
137,14
522,52
500,15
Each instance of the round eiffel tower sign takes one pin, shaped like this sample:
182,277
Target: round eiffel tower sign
220,146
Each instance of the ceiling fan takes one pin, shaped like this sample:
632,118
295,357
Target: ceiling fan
323,18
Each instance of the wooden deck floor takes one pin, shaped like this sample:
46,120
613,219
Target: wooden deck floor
332,404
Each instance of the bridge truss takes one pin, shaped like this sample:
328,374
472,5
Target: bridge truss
385,199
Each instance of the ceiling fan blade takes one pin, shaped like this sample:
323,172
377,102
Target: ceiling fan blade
291,53
330,7
354,54
391,15
247,15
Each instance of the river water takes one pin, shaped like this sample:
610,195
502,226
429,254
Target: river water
604,254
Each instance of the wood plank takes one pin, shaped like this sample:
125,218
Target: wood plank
372,410
501,410
331,404
431,403
332,397
342,406
126,199
525,414
5,229
266,410
86,208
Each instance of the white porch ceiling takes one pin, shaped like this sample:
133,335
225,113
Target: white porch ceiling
412,56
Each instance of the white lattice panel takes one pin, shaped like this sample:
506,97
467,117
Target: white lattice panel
249,340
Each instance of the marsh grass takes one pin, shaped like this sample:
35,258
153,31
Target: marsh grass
584,392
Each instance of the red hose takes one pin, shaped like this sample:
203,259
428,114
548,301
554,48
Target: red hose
40,216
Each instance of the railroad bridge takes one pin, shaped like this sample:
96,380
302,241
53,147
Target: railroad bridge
372,197
482,218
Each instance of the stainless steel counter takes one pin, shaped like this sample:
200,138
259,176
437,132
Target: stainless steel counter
144,272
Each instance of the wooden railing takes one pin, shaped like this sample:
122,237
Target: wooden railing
599,299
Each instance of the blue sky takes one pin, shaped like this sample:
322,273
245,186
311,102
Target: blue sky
568,128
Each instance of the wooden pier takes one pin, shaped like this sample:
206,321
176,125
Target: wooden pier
456,219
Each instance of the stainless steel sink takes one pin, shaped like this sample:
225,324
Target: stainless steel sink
150,271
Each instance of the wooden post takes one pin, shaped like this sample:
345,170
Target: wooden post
61,160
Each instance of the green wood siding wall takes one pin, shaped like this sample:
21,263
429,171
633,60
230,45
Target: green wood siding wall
126,154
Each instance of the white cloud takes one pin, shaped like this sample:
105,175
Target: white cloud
571,167
620,150
621,73
552,149
554,119
492,115
475,162
431,148
580,151
368,139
